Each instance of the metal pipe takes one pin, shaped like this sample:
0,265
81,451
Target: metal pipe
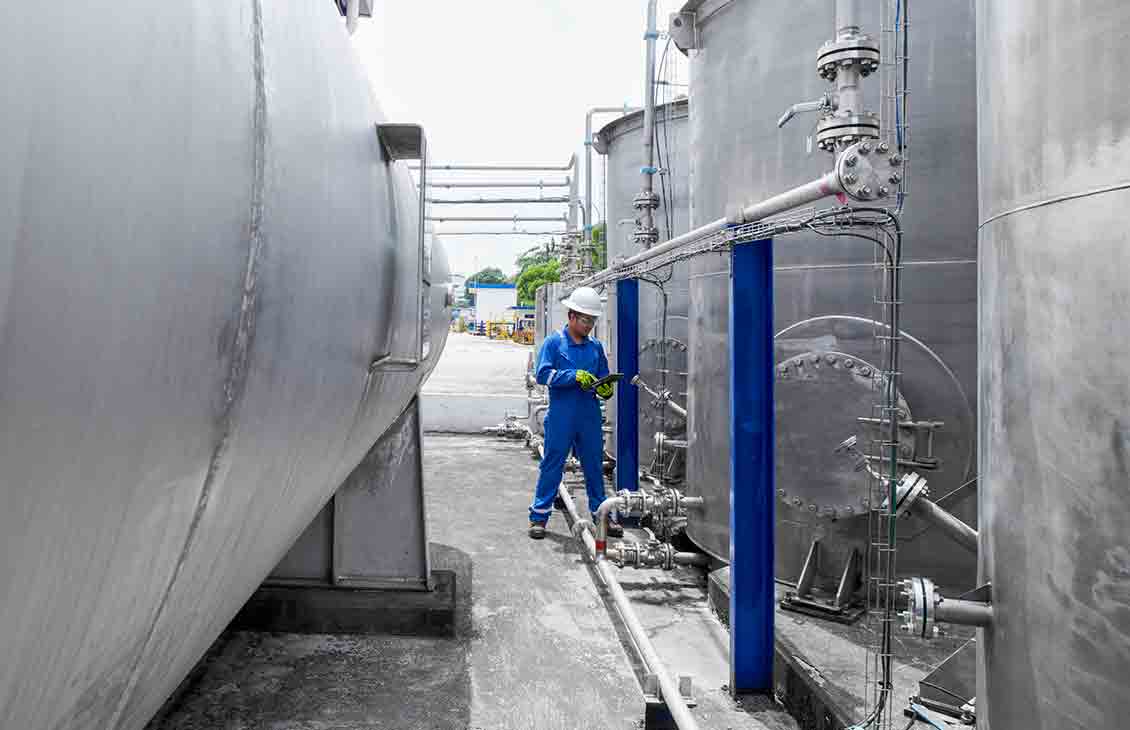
648,170
848,15
822,187
966,613
664,396
504,167
849,96
505,184
352,12
601,516
953,527
588,157
494,219
496,201
668,688
698,560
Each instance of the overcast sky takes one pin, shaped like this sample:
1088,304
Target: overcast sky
506,81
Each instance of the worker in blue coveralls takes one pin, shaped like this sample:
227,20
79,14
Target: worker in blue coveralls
570,362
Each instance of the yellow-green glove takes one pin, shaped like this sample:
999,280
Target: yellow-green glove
604,390
585,379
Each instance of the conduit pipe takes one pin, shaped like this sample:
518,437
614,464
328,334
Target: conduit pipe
625,110
668,687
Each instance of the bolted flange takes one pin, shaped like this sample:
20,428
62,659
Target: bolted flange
865,179
858,50
644,200
646,237
845,129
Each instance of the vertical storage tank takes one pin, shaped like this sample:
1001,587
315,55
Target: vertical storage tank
1054,152
662,341
212,283
753,60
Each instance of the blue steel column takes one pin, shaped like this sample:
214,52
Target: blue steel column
627,396
752,600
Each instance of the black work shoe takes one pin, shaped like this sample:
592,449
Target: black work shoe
537,530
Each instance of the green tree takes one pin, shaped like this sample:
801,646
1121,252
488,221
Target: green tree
489,275
534,276
600,247
533,257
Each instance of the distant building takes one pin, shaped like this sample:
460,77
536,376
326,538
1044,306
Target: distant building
493,301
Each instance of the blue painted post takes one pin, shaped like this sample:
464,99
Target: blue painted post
752,599
627,396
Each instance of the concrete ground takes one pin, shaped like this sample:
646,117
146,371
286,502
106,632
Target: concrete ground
475,384
535,646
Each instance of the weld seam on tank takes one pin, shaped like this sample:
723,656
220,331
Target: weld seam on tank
1052,201
241,350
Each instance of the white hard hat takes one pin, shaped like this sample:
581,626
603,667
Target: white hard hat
585,300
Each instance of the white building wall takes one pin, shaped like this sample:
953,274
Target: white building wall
494,304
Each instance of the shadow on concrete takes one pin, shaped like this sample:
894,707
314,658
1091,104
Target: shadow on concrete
263,681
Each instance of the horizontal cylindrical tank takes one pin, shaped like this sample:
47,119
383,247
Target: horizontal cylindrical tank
1054,150
203,250
754,59
662,339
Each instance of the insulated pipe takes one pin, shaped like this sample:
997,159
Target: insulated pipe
953,527
668,688
648,170
828,184
588,157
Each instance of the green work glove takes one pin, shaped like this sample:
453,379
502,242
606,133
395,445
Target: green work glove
585,379
604,390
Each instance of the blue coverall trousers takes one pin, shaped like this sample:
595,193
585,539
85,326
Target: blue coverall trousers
578,430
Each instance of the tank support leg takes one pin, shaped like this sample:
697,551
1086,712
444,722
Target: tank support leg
752,493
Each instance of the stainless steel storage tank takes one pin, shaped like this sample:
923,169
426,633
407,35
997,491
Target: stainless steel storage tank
663,342
203,252
1054,150
754,59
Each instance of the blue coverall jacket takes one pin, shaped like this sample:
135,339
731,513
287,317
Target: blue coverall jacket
573,420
